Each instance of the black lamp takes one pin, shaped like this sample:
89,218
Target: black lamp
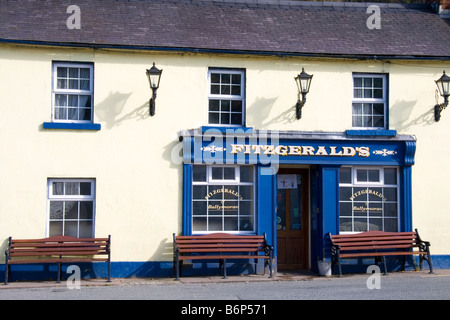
303,82
154,75
443,84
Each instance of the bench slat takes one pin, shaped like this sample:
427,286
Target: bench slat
59,249
378,244
211,246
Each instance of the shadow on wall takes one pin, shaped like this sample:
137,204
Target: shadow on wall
109,111
402,110
259,111
152,267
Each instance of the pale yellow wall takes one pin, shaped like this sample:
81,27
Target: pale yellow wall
134,157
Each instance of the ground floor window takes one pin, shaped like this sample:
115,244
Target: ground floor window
223,199
368,199
71,206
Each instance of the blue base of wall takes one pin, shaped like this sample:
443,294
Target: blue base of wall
45,272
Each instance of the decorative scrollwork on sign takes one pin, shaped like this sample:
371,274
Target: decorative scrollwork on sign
213,149
385,152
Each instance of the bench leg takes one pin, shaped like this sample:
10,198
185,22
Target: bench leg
109,270
270,267
177,269
384,264
6,273
58,277
224,266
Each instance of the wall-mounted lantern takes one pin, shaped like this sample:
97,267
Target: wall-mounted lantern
303,82
154,75
443,84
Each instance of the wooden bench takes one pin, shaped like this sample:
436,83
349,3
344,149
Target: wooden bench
221,246
59,249
379,244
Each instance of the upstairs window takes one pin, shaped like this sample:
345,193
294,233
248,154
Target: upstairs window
369,108
226,97
72,94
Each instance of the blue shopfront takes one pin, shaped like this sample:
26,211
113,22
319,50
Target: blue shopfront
296,187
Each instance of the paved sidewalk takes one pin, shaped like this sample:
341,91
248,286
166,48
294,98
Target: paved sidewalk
280,276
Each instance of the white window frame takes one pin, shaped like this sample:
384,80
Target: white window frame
52,197
228,97
380,184
75,92
215,182
383,100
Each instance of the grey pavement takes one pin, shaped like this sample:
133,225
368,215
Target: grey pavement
409,285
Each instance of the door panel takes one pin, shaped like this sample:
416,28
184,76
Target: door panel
292,219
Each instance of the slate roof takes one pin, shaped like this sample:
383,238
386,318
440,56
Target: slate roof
253,26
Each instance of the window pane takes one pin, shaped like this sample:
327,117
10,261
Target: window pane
225,89
215,89
345,194
213,105
199,173
85,188
86,210
73,84
226,78
361,175
61,72
85,73
199,224
213,117
374,175
217,173
225,118
56,209
236,106
85,229
73,72
84,85
236,118
229,173
345,175
199,192
55,228
71,210
378,82
71,228
246,173
390,176
236,79
225,105
61,100
57,188
61,84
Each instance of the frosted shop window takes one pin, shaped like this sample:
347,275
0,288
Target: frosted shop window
223,199
368,199
71,206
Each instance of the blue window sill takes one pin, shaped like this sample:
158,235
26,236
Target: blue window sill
225,129
375,132
72,126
